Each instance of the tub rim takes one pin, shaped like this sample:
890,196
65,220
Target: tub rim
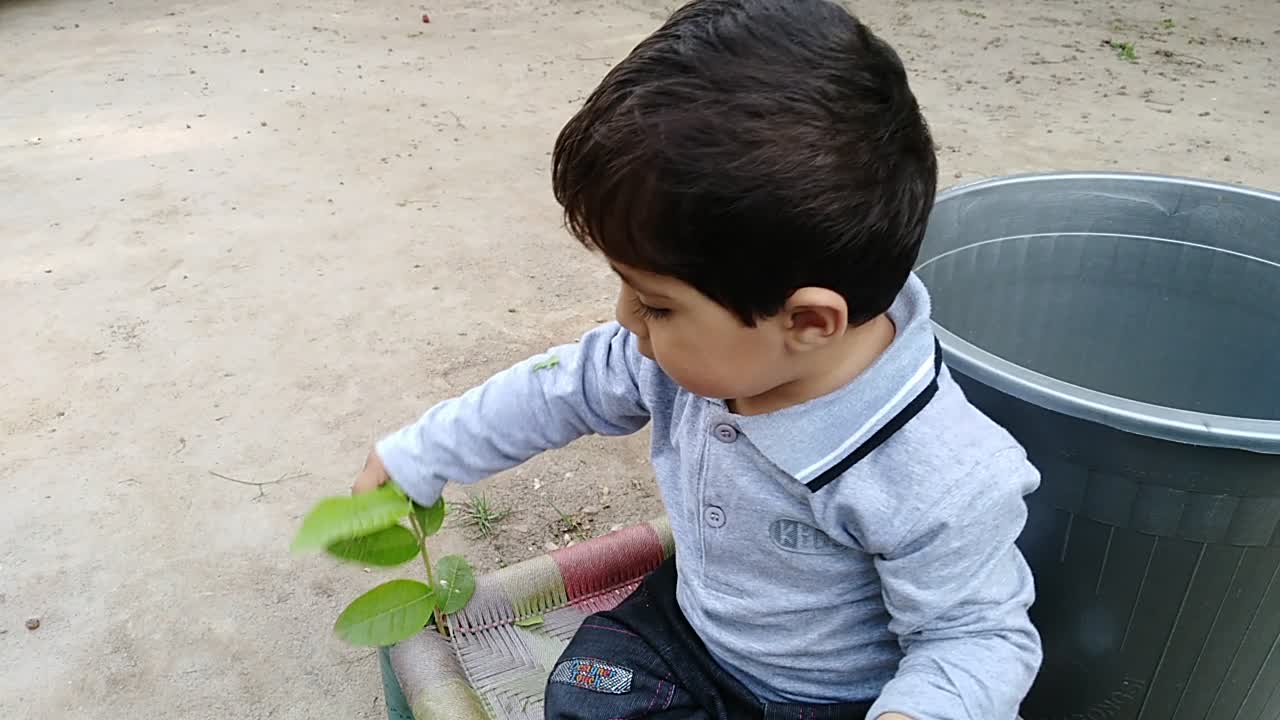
1133,416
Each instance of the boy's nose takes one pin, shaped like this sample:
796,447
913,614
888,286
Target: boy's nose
627,317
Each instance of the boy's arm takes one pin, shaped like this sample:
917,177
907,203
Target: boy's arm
545,402
958,590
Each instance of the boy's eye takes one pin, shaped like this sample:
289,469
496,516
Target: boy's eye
648,312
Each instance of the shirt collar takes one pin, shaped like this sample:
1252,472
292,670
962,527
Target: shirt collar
806,439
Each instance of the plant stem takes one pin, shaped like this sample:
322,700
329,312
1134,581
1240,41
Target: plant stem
431,576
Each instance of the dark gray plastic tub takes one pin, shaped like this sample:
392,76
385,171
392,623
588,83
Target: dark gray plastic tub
1126,328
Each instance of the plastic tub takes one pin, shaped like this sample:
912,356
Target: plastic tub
1126,328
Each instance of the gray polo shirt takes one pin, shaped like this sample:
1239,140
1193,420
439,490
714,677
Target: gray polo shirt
857,546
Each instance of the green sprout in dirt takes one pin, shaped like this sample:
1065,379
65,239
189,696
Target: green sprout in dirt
973,14
1124,49
483,515
367,529
1168,24
571,524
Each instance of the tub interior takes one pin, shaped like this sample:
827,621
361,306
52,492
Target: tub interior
1101,293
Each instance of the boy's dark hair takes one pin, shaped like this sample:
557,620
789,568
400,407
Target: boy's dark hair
751,148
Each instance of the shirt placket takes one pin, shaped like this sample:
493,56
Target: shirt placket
715,524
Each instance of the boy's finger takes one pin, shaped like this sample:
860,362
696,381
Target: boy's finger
365,483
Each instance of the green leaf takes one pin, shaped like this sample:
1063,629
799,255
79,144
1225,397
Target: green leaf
550,362
385,548
387,614
430,518
455,583
531,622
343,518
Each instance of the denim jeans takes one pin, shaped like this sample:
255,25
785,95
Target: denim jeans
643,660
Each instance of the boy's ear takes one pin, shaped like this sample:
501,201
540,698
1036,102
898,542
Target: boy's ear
813,317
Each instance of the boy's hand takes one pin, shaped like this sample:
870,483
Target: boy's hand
372,477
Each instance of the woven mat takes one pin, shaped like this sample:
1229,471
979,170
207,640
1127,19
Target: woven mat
507,640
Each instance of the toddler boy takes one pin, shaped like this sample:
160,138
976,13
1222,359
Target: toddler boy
759,176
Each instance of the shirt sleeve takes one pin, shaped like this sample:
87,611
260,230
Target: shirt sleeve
958,591
545,402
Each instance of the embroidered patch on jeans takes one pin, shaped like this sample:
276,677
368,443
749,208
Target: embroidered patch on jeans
593,675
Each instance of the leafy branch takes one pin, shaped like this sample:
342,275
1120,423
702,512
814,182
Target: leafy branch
367,529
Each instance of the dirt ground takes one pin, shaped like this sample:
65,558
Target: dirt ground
247,238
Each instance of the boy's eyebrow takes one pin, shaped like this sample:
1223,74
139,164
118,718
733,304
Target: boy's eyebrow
630,281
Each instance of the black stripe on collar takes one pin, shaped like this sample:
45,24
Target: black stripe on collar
878,438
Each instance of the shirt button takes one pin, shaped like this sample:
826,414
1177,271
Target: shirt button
725,433
714,516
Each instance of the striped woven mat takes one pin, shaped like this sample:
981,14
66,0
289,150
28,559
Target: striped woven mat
508,638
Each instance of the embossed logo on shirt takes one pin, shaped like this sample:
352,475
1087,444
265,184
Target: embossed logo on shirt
794,536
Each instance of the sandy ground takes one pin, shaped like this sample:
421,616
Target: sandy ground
247,238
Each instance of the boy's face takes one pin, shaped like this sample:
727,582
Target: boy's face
700,344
